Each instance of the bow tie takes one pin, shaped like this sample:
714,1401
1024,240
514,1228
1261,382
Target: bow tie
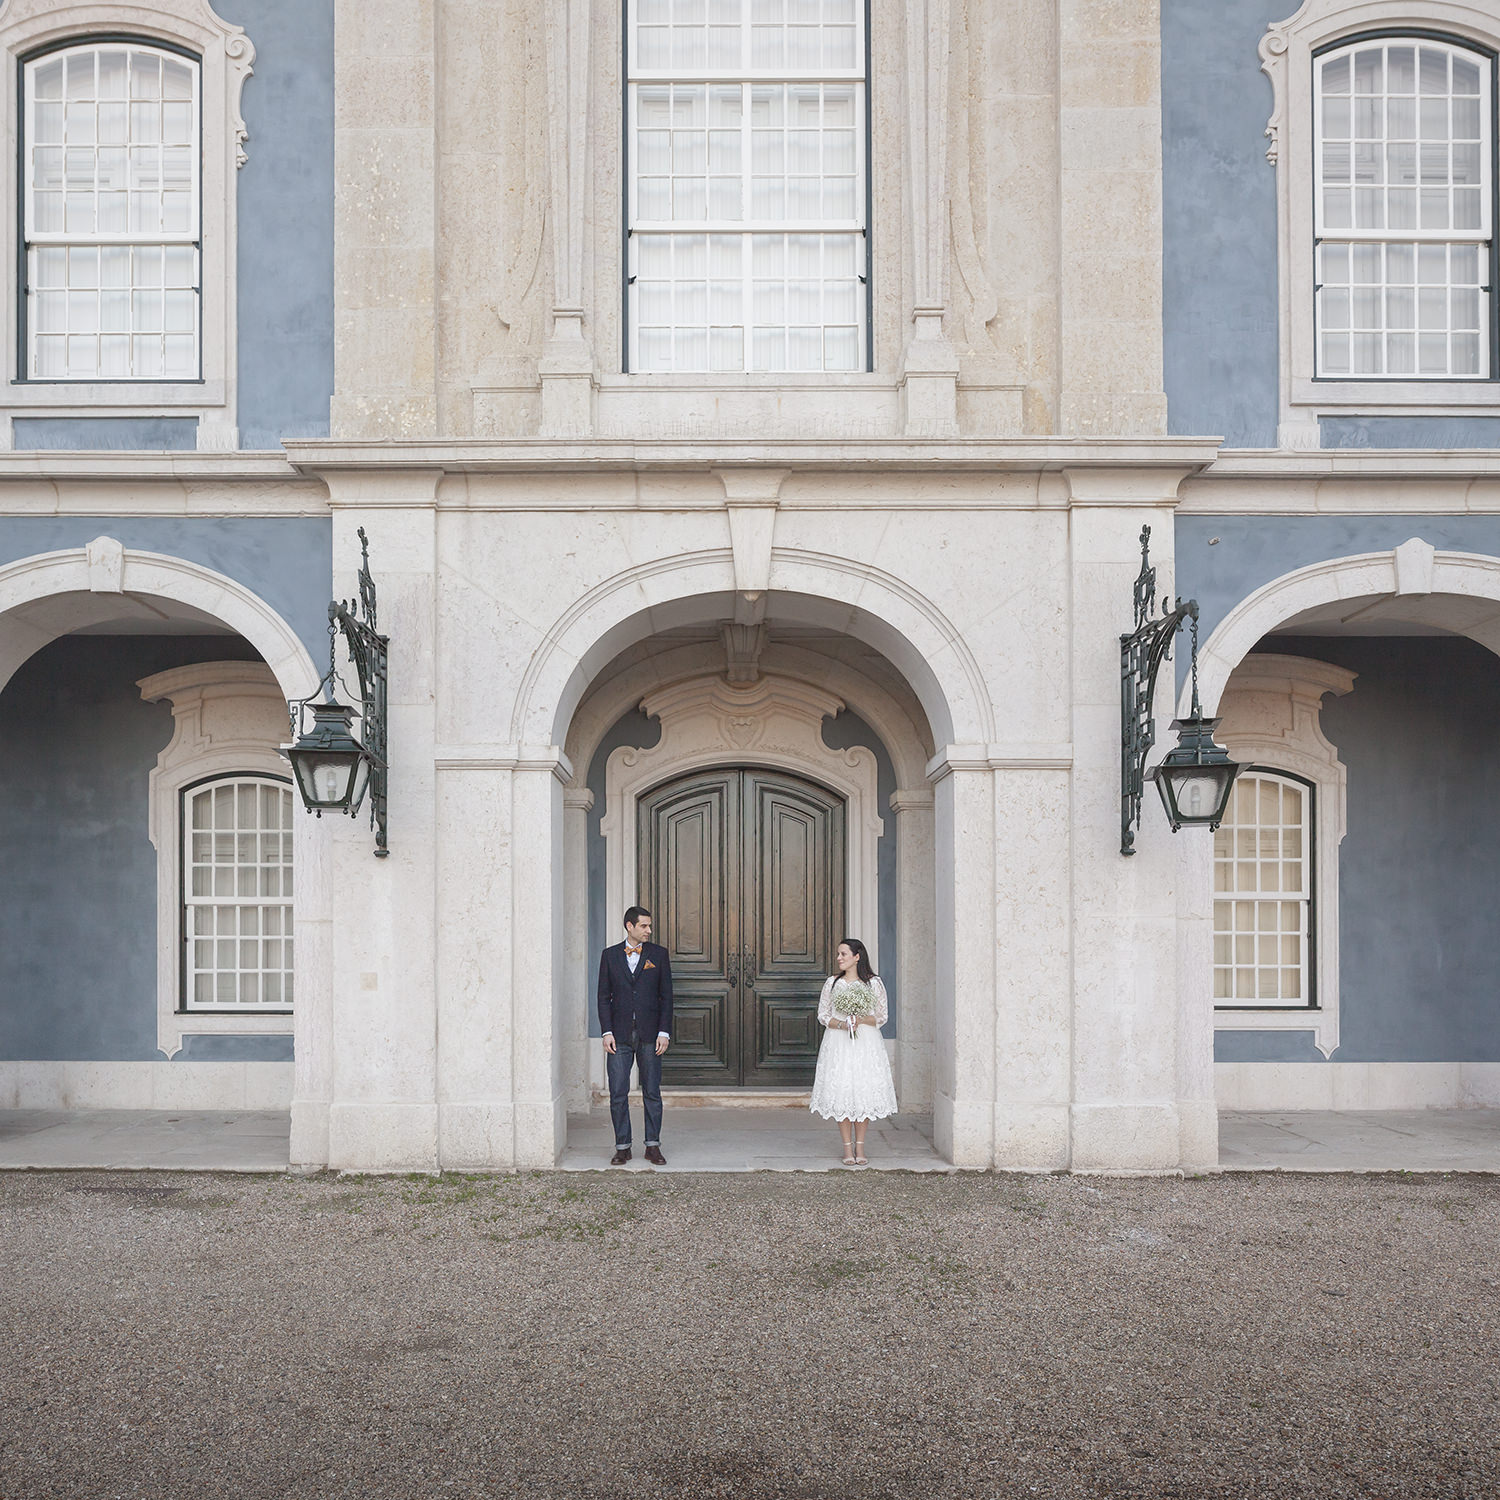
629,950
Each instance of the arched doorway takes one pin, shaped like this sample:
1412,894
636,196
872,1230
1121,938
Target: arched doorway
743,869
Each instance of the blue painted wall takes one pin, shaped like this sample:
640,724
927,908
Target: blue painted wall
1219,282
285,249
1222,559
77,869
117,434
287,562
1218,222
1411,432
286,221
843,732
1419,927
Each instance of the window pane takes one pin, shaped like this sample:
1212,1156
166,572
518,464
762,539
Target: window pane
107,107
249,961
773,156
1259,952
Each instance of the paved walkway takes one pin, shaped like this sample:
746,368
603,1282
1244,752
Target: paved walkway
749,1140
1388,1140
180,1140
776,1139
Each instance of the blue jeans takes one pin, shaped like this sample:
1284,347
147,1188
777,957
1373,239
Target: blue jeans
618,1063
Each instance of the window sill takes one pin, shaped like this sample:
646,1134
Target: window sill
1375,397
80,398
1322,1022
171,1029
760,380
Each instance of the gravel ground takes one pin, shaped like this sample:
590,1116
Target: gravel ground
854,1335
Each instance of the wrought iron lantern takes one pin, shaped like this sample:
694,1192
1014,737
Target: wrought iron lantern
1196,777
333,767
329,763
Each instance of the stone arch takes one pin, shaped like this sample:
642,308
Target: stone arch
105,567
805,588
1415,570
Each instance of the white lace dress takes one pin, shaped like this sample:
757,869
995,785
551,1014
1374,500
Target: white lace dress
853,1081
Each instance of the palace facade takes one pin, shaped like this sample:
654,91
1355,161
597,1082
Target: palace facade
754,409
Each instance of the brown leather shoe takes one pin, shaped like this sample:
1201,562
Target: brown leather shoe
654,1156
621,1157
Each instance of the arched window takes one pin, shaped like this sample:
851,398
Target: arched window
1403,211
111,155
237,894
1263,885
747,185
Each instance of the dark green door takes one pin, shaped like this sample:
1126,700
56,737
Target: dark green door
744,873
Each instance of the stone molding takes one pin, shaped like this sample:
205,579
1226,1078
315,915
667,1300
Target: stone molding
1465,574
229,717
227,60
1271,711
30,579
1286,54
907,627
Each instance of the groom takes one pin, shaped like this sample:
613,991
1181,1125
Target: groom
635,1015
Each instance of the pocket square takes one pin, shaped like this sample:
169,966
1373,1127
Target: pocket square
649,964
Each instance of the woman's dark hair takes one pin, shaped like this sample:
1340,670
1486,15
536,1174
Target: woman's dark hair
862,969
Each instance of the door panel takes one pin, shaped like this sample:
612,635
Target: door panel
689,836
793,903
744,872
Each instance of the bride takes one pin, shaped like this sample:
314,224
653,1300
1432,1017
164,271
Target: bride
853,1083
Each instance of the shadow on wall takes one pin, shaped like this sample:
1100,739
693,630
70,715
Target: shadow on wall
1419,929
77,869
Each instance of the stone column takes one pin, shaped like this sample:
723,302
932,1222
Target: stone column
929,367
915,914
567,363
537,954
964,933
383,1113
312,1011
1033,942
1125,1070
475,873
578,986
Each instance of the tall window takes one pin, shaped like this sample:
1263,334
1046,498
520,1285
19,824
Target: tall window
111,210
747,245
1263,893
1404,210
237,858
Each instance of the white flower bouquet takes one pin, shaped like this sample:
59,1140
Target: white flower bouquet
853,1000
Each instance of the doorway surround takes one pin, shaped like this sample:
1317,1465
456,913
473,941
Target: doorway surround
777,723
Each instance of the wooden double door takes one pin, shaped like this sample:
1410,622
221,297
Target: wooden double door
743,871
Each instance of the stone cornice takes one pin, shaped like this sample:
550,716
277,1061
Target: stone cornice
602,455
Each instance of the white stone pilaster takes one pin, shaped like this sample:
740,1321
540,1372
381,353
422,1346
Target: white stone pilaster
929,371
383,1113
1033,977
537,956
914,808
475,872
567,363
1125,1067
964,1059
577,987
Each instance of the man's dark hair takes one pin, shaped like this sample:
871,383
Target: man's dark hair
634,915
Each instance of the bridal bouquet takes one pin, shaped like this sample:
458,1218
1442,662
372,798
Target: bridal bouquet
852,1000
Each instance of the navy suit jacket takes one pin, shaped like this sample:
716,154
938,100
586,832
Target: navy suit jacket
641,1001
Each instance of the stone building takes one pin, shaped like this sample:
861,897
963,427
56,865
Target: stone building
753,408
